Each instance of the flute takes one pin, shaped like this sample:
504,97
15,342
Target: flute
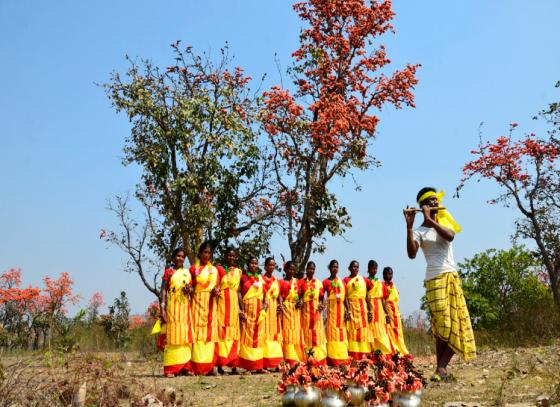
435,208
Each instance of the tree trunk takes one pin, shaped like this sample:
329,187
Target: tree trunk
554,275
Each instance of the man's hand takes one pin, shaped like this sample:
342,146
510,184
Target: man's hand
427,212
409,218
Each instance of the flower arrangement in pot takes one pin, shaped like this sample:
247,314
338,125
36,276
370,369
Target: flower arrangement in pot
303,378
359,378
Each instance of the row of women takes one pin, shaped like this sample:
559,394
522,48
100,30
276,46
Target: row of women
216,316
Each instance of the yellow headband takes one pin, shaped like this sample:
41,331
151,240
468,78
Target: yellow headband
444,218
429,194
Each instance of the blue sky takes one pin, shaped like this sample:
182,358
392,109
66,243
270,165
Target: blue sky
61,142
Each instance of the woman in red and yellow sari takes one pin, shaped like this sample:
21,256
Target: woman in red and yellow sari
176,315
228,314
206,282
379,337
273,327
337,341
394,322
292,345
358,312
253,308
312,315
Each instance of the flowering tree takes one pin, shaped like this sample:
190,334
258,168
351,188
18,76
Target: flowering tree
94,304
15,306
204,174
322,130
56,296
528,173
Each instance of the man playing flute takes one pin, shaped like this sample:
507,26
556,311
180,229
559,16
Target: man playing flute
451,324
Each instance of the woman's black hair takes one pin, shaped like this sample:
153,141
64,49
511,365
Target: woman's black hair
309,264
229,249
352,262
176,252
288,264
268,260
372,263
423,191
332,263
387,269
204,246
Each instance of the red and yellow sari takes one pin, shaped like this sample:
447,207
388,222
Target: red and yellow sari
178,328
251,349
379,337
391,295
205,318
312,320
357,326
292,346
273,328
337,340
228,318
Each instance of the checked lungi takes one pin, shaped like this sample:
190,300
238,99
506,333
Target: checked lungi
450,316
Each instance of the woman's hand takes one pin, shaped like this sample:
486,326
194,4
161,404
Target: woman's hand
163,316
387,319
299,304
216,291
321,307
279,309
242,315
369,316
346,315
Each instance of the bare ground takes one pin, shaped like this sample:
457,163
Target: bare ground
495,378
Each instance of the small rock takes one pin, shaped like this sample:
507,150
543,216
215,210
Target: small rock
538,378
460,404
79,399
151,401
543,401
167,395
485,371
123,392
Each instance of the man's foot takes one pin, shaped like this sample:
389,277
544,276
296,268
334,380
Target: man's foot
234,371
221,370
442,377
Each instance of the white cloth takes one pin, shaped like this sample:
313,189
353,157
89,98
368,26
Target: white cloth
437,251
